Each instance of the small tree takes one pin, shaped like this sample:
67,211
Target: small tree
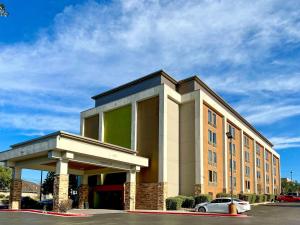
3,11
47,186
5,177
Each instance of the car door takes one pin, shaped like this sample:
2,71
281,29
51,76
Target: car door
213,206
223,206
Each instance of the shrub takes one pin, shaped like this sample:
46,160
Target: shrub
2,196
174,203
202,198
64,206
188,202
265,198
259,198
29,203
221,195
251,198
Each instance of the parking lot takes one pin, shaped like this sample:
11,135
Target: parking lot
281,214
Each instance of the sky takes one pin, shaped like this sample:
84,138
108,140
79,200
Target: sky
56,54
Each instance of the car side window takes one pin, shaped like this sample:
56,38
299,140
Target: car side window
226,200
214,201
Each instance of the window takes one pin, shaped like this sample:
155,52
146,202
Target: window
274,171
258,175
267,179
274,161
267,167
247,184
212,176
247,156
247,171
232,148
212,138
274,181
257,149
212,118
231,129
212,157
234,181
246,141
268,189
234,165
257,162
267,155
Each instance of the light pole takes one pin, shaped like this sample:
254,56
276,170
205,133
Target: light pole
232,208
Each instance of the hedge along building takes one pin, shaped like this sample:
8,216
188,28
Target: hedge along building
150,139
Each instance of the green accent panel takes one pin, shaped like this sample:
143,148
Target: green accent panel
117,126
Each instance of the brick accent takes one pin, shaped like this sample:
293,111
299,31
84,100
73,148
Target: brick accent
60,190
15,194
198,189
83,195
151,196
130,195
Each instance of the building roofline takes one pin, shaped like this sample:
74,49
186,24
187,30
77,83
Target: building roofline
221,100
195,78
124,86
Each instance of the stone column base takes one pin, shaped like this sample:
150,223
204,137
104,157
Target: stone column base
151,196
60,190
83,195
129,196
198,189
15,194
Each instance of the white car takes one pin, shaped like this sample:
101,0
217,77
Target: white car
220,205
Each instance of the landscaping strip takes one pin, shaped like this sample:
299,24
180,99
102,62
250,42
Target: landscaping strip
46,212
187,213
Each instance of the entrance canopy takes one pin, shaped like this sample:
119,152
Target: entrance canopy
85,156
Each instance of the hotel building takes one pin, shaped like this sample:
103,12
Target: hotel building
150,139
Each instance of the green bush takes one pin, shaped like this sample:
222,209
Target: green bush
29,203
265,198
251,198
188,202
2,196
202,198
221,195
259,198
174,203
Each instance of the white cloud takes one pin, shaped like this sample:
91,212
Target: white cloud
39,122
92,46
286,142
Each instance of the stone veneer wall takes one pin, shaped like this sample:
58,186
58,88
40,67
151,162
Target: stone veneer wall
15,194
130,195
151,196
60,190
83,195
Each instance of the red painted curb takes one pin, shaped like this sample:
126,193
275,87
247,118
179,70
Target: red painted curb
189,214
45,212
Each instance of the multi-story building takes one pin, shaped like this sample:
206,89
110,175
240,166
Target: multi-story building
149,139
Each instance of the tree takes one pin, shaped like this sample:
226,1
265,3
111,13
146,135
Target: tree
5,177
47,186
290,186
3,11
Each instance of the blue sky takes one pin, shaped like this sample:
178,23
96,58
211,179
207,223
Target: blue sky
56,54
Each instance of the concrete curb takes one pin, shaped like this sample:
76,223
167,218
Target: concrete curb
48,213
183,213
261,203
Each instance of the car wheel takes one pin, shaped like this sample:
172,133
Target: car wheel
202,209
